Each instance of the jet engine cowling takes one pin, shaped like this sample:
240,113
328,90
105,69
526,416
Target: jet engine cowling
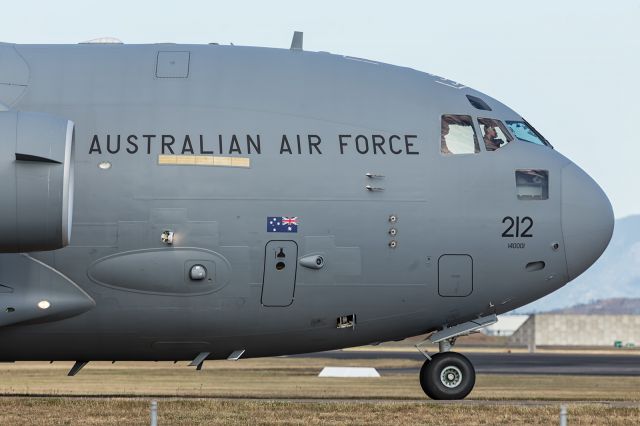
36,181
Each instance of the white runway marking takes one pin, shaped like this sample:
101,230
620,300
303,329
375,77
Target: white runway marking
349,372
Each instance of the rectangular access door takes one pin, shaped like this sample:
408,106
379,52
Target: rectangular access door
455,275
280,266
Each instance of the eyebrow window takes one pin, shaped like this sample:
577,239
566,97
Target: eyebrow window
457,135
494,133
532,184
478,103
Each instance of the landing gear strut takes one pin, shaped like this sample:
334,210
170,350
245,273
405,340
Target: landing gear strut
450,375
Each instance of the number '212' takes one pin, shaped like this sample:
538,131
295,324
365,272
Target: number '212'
526,222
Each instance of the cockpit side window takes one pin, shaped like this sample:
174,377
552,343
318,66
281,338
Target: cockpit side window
458,135
494,133
525,132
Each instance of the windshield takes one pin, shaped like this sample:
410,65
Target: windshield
525,132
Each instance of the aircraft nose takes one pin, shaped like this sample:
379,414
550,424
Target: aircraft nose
587,220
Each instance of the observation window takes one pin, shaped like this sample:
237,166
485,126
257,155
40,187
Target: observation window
532,184
494,134
458,135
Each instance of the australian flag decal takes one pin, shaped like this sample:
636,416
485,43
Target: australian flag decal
282,224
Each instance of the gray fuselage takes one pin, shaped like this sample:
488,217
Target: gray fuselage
212,142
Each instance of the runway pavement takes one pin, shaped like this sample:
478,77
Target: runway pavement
510,363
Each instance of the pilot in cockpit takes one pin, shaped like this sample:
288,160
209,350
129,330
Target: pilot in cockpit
491,140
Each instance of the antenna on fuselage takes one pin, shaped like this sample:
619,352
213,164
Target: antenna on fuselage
296,41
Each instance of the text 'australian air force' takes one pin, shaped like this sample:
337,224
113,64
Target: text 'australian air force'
198,144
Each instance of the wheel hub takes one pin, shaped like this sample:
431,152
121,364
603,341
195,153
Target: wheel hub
451,376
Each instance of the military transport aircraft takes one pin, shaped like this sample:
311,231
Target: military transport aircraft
194,202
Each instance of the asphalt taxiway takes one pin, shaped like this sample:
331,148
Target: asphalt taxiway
511,363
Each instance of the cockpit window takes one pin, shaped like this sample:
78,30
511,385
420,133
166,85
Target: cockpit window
494,134
458,135
525,132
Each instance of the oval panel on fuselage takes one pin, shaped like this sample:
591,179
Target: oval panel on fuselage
162,271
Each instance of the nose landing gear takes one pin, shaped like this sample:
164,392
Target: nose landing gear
450,375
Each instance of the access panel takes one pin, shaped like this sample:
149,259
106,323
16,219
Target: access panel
455,275
173,64
280,266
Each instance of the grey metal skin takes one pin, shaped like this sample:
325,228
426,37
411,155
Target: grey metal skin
134,293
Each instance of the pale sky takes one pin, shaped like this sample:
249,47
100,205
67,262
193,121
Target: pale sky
571,68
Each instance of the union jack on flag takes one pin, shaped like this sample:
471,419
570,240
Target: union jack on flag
282,224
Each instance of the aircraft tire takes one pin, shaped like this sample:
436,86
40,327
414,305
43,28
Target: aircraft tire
448,375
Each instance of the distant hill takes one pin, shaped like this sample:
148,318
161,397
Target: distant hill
615,306
615,275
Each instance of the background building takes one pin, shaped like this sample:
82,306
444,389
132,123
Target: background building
578,330
506,325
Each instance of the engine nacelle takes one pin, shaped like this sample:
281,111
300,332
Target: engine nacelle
36,181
